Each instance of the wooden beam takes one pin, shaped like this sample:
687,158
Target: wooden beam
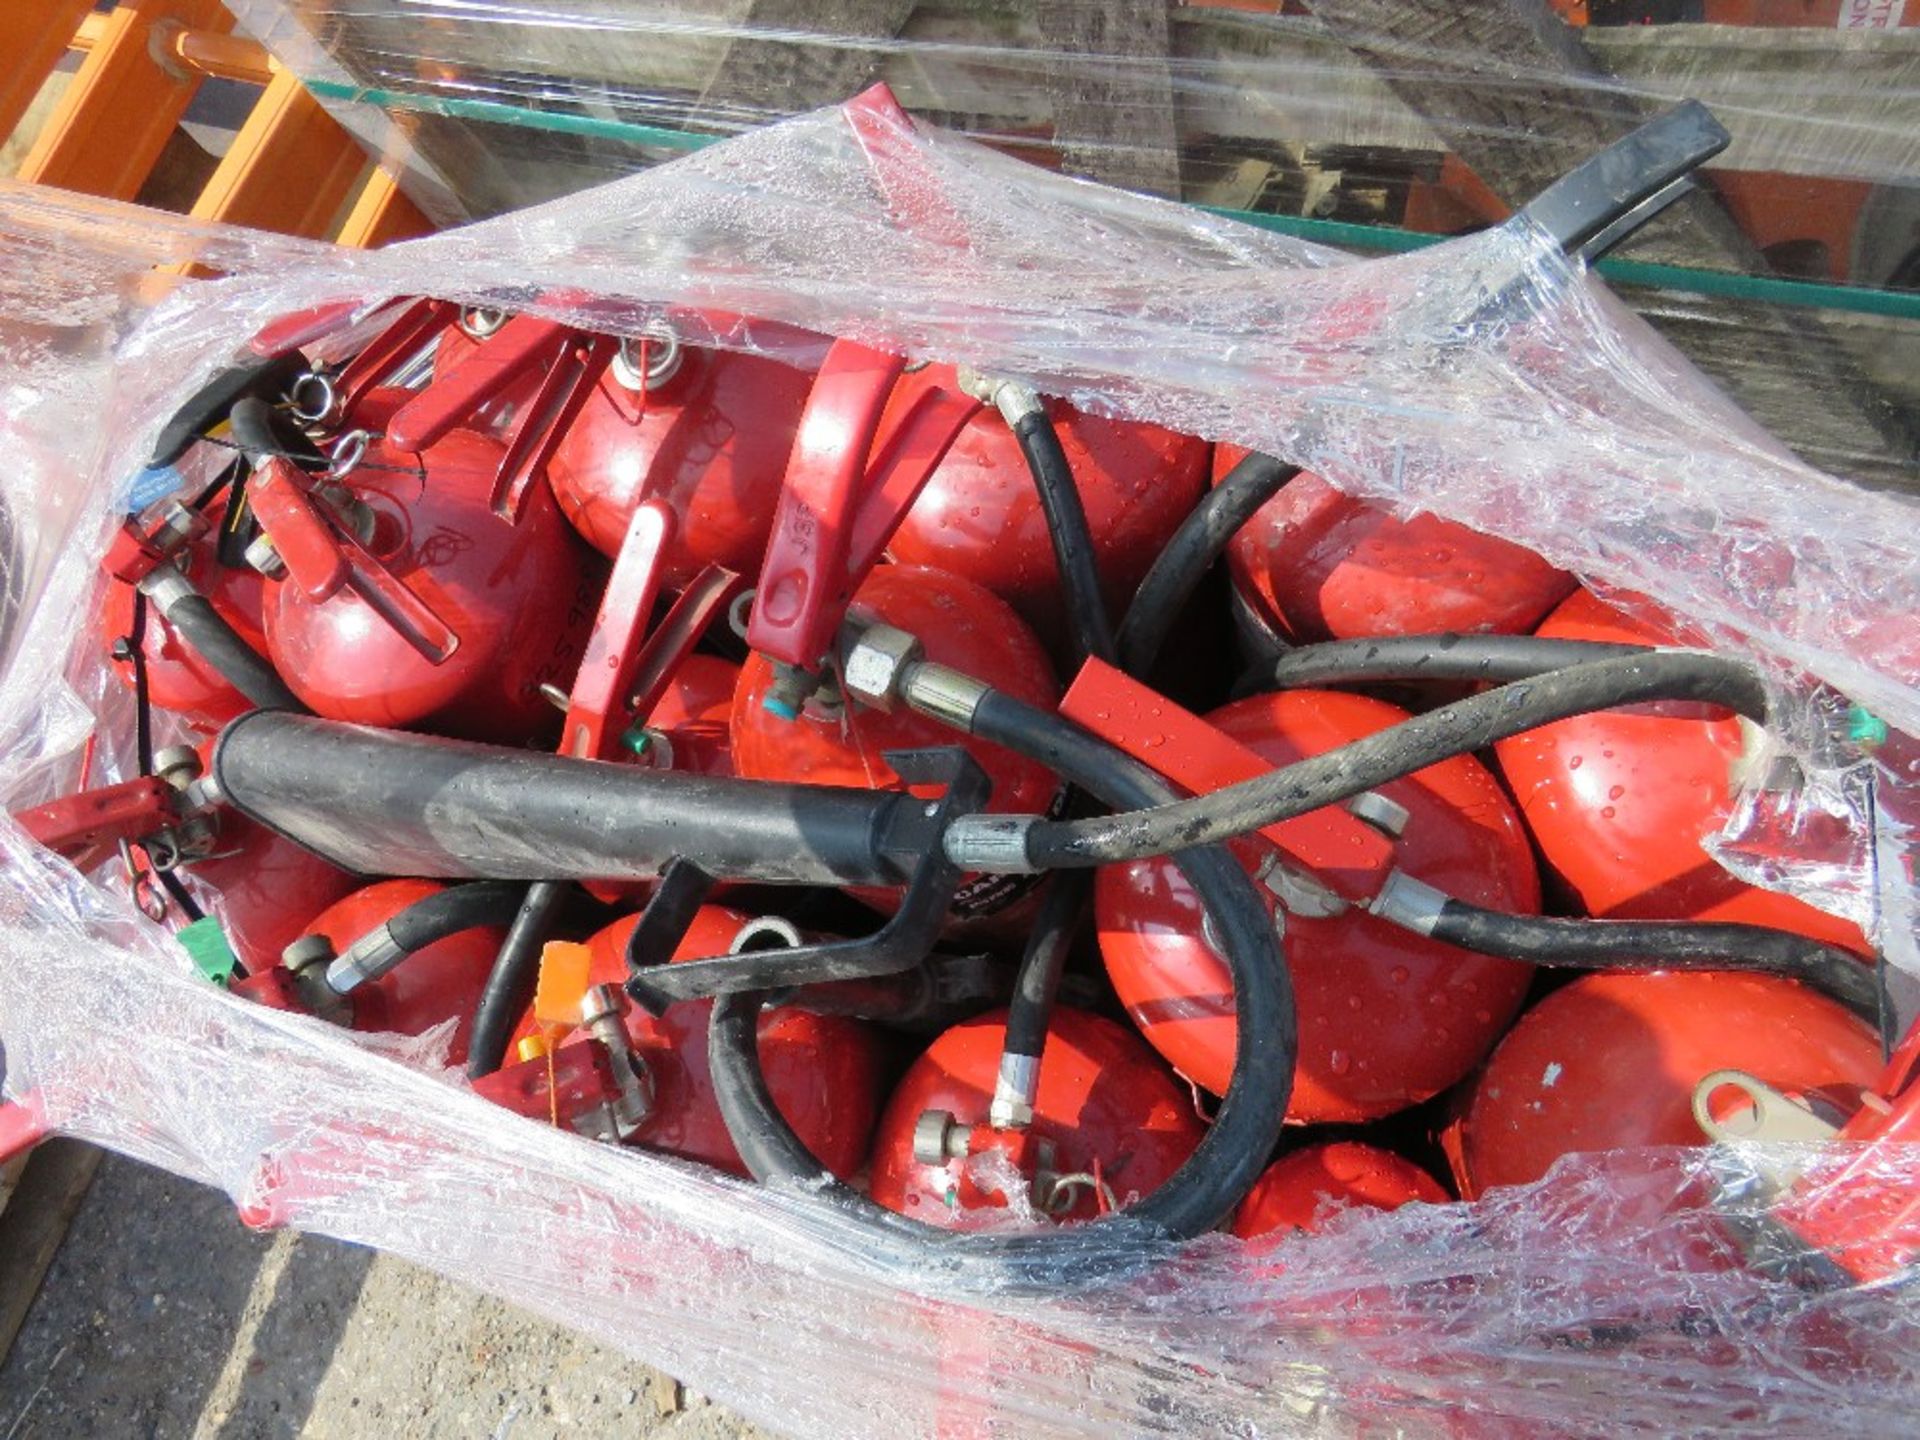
767,73
40,1209
1510,89
1112,84
32,40
114,119
291,168
382,214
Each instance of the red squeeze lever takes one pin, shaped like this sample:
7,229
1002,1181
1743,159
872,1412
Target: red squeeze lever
572,363
323,557
412,328
624,670
850,481
1347,854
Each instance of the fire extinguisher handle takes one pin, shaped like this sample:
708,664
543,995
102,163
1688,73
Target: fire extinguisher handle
899,945
478,378
307,545
1606,197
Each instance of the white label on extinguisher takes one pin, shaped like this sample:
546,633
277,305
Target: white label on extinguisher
1870,14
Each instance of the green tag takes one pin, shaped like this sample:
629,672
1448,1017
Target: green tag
1866,729
207,943
638,741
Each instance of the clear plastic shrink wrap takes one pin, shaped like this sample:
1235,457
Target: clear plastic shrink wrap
1372,123
1488,380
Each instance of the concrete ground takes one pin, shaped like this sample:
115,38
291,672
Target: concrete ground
163,1317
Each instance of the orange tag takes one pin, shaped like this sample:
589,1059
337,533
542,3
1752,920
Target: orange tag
564,968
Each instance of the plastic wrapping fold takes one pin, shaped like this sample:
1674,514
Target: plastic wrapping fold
1487,380
1373,123
1163,95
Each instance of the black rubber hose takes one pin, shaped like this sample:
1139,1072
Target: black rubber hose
215,400
259,432
1493,659
1043,962
1073,549
1197,1197
514,977
1660,945
196,622
1181,566
429,919
1456,729
456,908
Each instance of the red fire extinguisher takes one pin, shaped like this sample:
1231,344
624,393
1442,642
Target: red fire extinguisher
1611,1061
401,598
399,956
830,742
980,516
1315,563
1619,801
707,432
824,1071
1109,1122
1387,1018
179,678
1302,1189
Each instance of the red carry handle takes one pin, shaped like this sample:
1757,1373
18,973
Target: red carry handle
858,464
323,557
804,582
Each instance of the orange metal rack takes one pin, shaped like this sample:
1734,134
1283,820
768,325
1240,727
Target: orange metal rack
290,168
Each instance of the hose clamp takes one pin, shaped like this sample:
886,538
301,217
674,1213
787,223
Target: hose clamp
1409,903
993,844
368,958
942,694
1014,1089
1014,400
601,1009
165,588
1389,817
